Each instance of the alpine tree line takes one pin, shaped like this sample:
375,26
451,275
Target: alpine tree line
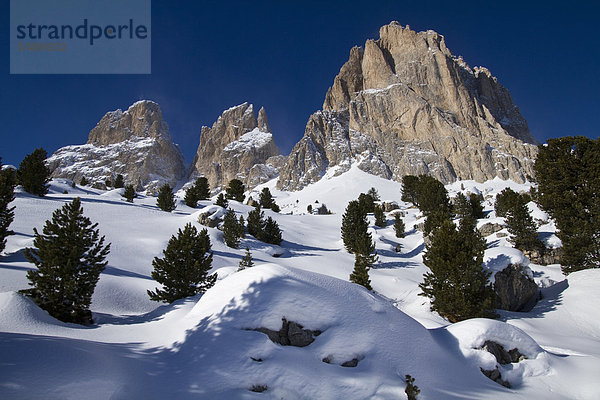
70,254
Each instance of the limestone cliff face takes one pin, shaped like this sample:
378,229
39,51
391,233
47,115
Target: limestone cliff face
135,143
404,104
238,145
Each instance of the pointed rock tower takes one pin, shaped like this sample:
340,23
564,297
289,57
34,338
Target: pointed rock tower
404,104
237,146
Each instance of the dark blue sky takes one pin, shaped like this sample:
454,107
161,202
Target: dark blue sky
283,55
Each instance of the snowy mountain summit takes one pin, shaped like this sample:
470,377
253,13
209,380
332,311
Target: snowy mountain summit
404,104
134,143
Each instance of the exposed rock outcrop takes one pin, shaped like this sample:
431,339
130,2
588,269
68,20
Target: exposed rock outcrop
404,104
489,228
238,145
135,143
515,290
290,334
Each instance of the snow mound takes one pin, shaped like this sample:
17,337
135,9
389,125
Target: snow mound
472,334
355,325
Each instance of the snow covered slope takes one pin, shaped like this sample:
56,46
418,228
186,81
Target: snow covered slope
204,347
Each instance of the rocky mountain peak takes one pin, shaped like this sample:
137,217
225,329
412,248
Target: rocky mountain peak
238,145
403,104
143,119
135,143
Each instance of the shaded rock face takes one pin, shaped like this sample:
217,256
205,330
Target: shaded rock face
515,290
404,104
238,145
291,334
135,143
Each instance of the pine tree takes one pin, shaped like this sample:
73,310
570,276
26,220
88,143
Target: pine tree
83,181
266,199
33,174
373,193
434,220
242,225
506,200
366,203
232,232
354,222
119,182
476,201
235,190
364,259
399,227
246,261
198,191
129,193
191,197
69,255
457,284
462,206
255,223
166,199
410,189
432,196
222,201
309,208
379,216
202,188
183,271
271,232
567,172
520,225
7,195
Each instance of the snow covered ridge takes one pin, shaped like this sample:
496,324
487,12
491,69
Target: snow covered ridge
208,347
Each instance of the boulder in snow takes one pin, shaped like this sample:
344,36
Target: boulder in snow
515,289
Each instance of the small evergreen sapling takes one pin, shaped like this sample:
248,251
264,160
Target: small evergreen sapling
119,182
354,223
222,201
183,271
129,193
412,390
83,181
232,231
33,174
373,193
191,198
399,227
166,199
364,259
255,222
69,255
246,261
271,233
379,216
